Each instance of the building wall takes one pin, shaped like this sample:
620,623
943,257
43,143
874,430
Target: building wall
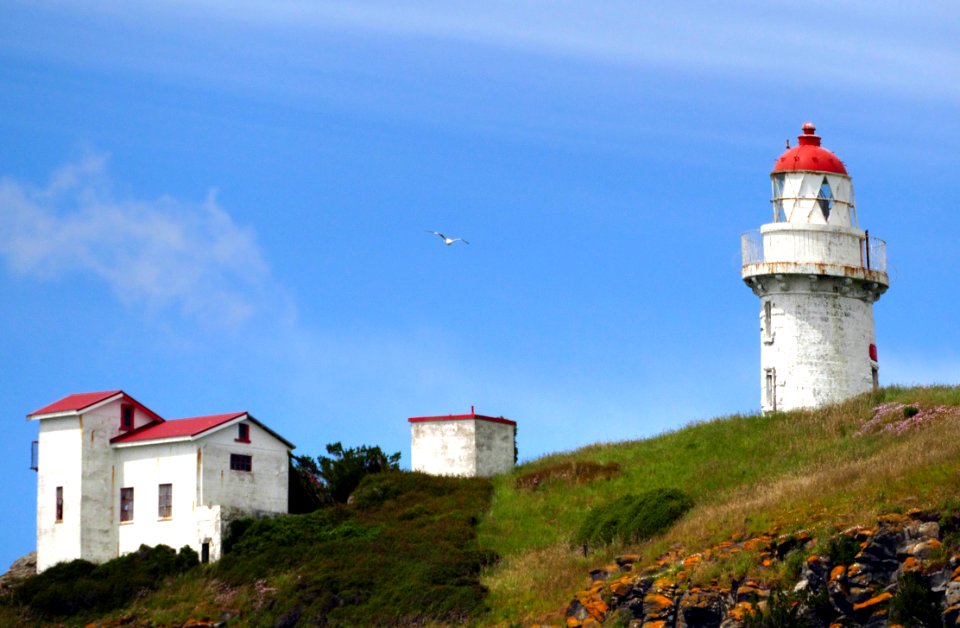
58,465
144,468
817,345
99,532
444,447
262,490
495,447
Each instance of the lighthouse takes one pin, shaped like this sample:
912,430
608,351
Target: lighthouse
817,274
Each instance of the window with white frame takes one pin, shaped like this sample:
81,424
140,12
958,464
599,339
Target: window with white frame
165,501
126,504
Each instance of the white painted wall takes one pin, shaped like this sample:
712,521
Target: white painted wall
444,447
262,490
58,465
462,447
818,345
495,448
144,468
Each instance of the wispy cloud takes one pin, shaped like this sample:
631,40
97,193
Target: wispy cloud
884,45
161,255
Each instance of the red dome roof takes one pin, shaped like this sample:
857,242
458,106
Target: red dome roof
809,155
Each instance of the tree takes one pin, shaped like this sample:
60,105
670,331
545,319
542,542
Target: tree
332,479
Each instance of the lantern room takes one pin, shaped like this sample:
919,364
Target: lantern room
811,185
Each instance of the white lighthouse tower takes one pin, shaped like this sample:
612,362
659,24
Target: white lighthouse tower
817,275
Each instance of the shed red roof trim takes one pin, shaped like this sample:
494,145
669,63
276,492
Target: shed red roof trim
176,428
461,417
808,155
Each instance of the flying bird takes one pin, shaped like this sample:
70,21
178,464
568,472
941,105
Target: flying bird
446,240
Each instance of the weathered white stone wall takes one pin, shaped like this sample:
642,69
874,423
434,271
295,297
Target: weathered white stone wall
817,343
262,490
495,447
58,465
99,535
144,468
444,447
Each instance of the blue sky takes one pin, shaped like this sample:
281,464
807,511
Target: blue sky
223,206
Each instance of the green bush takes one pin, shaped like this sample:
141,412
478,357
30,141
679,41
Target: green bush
634,517
782,612
914,604
333,478
79,586
842,549
403,553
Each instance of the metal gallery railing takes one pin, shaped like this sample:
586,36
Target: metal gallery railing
873,251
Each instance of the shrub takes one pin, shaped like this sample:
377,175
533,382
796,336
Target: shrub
634,518
914,604
842,549
910,411
782,612
80,586
335,477
404,552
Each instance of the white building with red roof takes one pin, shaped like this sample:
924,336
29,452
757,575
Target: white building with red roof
112,475
817,274
467,445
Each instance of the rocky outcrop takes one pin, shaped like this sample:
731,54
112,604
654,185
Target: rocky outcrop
854,579
21,568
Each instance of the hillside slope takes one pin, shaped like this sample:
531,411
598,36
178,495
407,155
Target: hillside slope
748,475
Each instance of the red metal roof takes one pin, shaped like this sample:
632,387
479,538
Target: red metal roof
175,428
461,417
79,402
809,155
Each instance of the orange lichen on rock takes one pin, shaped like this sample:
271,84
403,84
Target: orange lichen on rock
741,611
872,602
911,564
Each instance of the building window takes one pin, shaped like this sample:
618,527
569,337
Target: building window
126,504
875,375
165,501
239,462
59,504
243,433
126,417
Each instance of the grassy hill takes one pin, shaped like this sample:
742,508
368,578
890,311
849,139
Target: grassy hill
418,549
819,470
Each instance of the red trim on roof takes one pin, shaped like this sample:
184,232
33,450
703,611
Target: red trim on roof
176,428
461,417
78,402
809,155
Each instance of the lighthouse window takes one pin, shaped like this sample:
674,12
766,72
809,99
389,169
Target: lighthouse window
771,386
778,214
768,319
825,199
